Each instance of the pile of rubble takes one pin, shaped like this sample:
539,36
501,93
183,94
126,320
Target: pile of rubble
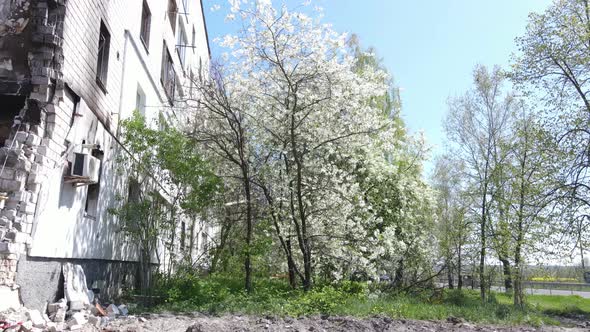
60,317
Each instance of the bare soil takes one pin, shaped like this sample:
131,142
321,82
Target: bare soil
204,323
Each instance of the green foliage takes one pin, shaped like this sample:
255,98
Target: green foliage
224,294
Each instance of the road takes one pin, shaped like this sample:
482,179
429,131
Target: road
585,295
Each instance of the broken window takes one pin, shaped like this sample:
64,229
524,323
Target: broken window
168,75
146,20
102,67
91,208
11,107
172,11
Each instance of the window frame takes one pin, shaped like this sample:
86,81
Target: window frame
146,24
140,100
181,44
102,63
167,69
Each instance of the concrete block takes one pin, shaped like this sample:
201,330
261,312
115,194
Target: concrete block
10,185
77,319
21,196
36,317
27,208
113,310
59,316
123,310
77,305
27,326
24,164
20,136
54,307
5,222
20,237
9,248
20,175
11,204
33,140
7,174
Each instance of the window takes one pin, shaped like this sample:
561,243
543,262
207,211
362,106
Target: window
91,207
193,39
140,101
168,75
192,83
134,191
102,67
200,70
182,235
204,246
172,11
146,19
181,44
162,122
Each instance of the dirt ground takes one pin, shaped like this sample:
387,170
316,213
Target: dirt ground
203,323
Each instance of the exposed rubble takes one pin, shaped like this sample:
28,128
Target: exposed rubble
62,317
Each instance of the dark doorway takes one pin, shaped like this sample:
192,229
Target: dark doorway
10,106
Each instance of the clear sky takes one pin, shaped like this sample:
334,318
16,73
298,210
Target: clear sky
429,46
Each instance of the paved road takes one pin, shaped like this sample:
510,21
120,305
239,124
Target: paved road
550,292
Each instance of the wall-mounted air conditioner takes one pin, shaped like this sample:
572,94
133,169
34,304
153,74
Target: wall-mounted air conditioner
85,169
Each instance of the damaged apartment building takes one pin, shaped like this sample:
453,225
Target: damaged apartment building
70,71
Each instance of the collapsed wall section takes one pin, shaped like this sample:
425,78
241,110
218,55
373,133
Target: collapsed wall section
30,86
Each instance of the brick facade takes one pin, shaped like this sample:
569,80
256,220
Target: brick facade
52,73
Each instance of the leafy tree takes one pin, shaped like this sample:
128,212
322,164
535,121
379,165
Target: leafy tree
324,145
451,209
477,122
553,65
169,182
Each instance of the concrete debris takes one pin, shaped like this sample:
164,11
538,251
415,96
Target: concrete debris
54,307
77,305
61,317
113,310
75,284
123,310
36,318
77,319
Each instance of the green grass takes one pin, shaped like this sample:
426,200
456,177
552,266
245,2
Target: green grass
567,306
270,297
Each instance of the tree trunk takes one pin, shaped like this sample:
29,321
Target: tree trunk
450,275
518,291
482,253
247,261
507,274
291,267
459,267
398,279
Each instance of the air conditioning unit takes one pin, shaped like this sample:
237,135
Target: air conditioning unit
85,169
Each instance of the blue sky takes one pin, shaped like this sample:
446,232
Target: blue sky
429,46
